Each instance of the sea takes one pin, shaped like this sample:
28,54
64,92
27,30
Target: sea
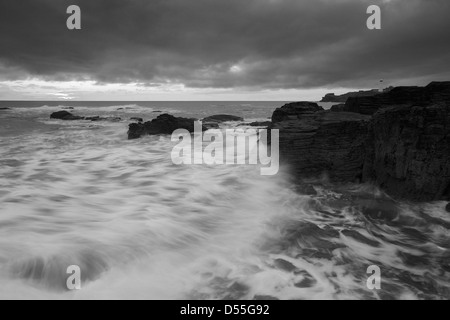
140,227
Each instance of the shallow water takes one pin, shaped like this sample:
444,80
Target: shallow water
79,193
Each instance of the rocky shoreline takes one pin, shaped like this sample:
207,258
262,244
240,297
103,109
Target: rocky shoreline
398,140
331,97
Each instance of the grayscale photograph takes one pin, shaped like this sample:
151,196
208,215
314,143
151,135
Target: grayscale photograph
224,153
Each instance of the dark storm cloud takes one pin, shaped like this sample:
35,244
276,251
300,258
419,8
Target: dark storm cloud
270,43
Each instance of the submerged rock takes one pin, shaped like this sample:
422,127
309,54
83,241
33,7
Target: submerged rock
257,124
378,208
163,124
95,118
222,118
98,118
307,280
65,115
284,265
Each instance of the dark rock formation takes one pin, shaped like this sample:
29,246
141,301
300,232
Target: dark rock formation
435,92
408,151
222,118
260,124
163,124
65,115
331,97
5,108
137,119
338,108
404,147
295,111
257,124
98,118
314,141
95,118
448,207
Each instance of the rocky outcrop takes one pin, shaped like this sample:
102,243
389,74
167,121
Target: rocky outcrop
331,97
408,151
295,111
404,147
163,124
65,115
435,92
314,141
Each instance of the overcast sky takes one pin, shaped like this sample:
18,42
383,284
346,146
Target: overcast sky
217,49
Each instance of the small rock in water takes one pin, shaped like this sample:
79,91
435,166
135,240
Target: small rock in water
237,291
64,115
239,287
380,209
163,124
5,109
307,282
96,118
261,124
448,207
284,265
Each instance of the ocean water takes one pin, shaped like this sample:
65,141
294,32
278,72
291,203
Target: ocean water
140,227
